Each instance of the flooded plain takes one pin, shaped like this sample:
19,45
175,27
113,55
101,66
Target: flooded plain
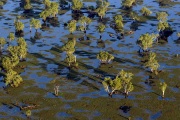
81,93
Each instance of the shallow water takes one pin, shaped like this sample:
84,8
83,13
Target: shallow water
81,90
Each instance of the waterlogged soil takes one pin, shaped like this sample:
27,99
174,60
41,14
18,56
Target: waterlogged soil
81,93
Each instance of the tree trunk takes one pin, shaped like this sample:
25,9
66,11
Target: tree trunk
163,95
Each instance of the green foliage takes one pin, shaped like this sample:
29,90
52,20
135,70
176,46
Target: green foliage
126,78
1,3
134,16
146,41
35,23
12,78
54,8
106,83
122,80
10,62
163,87
28,6
112,85
119,25
130,87
128,3
118,18
145,11
71,59
69,46
84,22
162,16
81,28
105,57
47,3
21,42
72,26
152,63
28,113
19,26
44,14
51,9
11,36
101,10
2,42
99,3
162,26
77,4
20,50
118,22
14,50
101,28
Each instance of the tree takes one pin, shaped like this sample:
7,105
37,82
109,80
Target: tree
126,78
27,5
1,5
54,8
101,27
118,18
162,16
14,50
71,60
145,11
47,3
84,22
152,63
101,11
162,26
130,88
105,57
69,47
146,40
10,62
77,5
12,78
11,36
44,14
35,23
111,85
22,48
22,53
19,26
72,26
21,42
127,3
2,43
28,113
163,87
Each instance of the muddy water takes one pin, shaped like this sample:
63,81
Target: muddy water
82,95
